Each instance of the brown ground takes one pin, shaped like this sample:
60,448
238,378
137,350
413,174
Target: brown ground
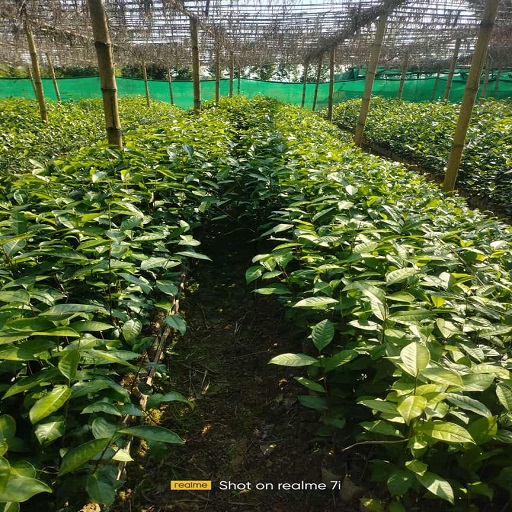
247,426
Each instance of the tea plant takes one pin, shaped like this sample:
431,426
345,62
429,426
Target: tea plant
422,132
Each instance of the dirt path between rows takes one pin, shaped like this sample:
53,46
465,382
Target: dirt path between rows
247,429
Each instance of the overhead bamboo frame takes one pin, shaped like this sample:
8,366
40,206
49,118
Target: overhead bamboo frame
258,31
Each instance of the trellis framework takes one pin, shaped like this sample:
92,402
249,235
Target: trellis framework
256,31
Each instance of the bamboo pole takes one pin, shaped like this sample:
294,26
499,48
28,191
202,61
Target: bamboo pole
485,85
146,85
470,92
169,79
106,69
451,72
31,77
330,98
217,73
403,75
238,80
195,64
370,78
54,78
231,72
497,84
36,71
317,83
305,84
436,83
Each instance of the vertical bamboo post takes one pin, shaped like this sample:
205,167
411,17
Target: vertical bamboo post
169,80
370,78
195,64
453,63
31,77
107,72
470,92
402,76
54,78
317,82
217,73
146,85
485,85
330,98
36,71
497,84
238,80
231,72
436,83
305,84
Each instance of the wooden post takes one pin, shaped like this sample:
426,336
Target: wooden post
485,85
470,92
453,63
195,64
146,86
231,72
54,78
217,73
317,83
436,83
107,72
36,71
169,79
370,78
305,84
330,98
238,80
402,77
31,77
497,84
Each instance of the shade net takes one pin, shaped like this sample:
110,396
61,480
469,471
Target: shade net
422,89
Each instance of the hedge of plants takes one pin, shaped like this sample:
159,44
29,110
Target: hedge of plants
422,133
403,295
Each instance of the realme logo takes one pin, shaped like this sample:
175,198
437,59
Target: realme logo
191,485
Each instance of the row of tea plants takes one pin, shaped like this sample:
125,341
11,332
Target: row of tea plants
404,296
422,133
94,247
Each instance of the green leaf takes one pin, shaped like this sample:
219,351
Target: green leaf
377,298
49,431
193,254
446,431
436,485
141,282
76,457
15,296
50,403
315,302
68,363
253,273
412,407
157,399
468,404
380,405
90,326
338,359
167,287
484,429
177,322
397,276
504,394
152,433
413,316
62,311
7,427
42,377
21,488
310,384
131,329
105,407
100,489
322,334
293,360
476,381
381,427
415,358
399,482
313,402
416,466
442,376
101,428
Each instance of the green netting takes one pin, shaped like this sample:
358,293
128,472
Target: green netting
414,89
